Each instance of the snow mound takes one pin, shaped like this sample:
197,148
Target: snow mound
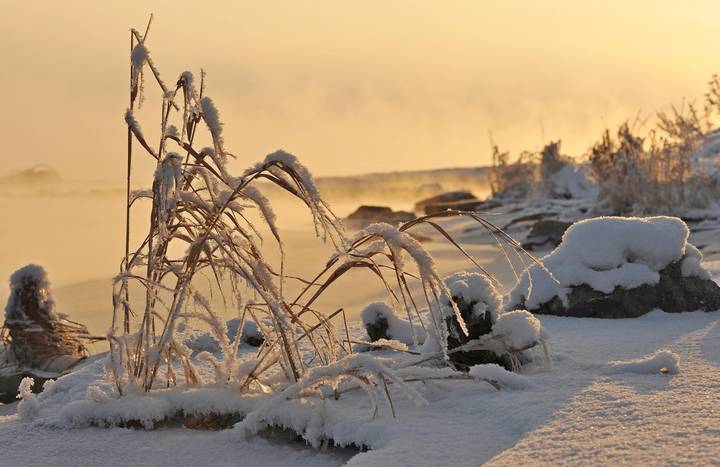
500,376
572,181
662,361
605,253
519,330
397,329
475,289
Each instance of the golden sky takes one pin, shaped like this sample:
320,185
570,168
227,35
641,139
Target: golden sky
355,86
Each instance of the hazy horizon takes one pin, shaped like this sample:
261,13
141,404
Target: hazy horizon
351,88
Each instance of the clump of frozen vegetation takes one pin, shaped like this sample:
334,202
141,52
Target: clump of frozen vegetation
34,334
207,227
172,352
546,173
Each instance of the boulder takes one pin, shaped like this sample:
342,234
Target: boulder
450,198
366,215
673,293
545,233
381,323
618,267
479,304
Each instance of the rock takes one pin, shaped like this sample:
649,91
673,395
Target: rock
673,294
476,327
545,233
381,322
377,328
366,215
450,198
479,303
251,335
203,341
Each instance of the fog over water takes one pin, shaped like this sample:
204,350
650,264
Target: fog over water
76,231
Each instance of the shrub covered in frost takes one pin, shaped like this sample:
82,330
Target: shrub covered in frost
206,222
36,333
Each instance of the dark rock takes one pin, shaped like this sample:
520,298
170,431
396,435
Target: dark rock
10,381
377,329
251,335
673,294
476,326
449,197
545,233
365,215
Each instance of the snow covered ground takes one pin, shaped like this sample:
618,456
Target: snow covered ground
603,400
582,409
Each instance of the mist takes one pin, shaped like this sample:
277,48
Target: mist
366,87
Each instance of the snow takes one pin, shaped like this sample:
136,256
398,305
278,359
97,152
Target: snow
662,361
578,411
572,181
608,252
477,288
519,329
212,119
28,406
139,56
500,376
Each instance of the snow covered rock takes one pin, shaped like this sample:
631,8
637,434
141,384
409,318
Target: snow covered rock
618,267
479,304
381,322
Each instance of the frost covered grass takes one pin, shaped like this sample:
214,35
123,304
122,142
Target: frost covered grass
208,225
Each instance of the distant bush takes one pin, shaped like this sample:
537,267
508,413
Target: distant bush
656,173
512,179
